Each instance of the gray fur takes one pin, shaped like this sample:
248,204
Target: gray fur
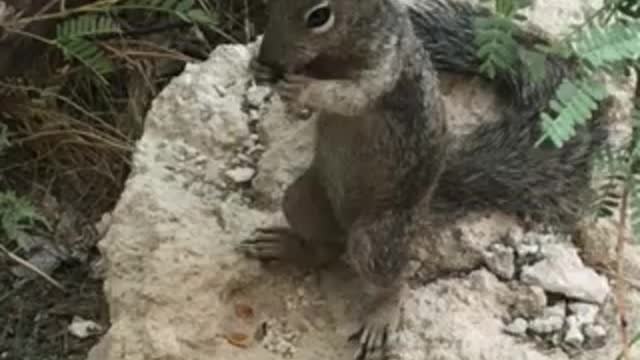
381,162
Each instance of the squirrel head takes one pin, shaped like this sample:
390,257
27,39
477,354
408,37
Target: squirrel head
304,33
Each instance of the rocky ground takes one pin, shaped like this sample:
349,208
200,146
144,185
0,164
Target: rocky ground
215,157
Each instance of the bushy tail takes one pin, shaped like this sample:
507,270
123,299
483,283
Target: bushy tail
498,165
446,28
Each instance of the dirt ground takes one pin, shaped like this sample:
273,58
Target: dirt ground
34,315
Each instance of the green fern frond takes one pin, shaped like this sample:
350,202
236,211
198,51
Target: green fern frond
71,38
611,169
496,45
17,215
86,25
601,46
630,8
88,54
574,103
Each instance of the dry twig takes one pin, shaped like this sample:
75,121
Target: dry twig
620,279
31,267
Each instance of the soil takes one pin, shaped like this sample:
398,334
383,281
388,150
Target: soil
35,315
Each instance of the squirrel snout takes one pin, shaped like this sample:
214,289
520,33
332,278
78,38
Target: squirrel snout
270,57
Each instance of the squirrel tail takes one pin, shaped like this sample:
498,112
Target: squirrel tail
446,29
497,165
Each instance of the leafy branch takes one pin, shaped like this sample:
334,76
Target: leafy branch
77,36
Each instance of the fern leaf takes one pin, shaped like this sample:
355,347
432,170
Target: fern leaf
497,48
601,46
71,38
635,207
573,103
17,215
88,54
611,169
86,25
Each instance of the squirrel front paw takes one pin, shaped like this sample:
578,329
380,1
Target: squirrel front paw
294,89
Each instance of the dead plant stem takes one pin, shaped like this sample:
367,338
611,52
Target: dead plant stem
31,267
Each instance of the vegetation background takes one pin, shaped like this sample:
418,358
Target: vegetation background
76,79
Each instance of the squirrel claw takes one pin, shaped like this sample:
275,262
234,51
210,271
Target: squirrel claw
372,338
292,88
373,335
272,243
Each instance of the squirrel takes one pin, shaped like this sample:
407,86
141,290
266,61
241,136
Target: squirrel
383,161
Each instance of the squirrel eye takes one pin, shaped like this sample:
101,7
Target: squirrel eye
320,18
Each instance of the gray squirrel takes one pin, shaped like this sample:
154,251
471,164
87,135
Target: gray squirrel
383,164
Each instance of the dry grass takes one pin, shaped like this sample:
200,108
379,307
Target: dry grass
72,136
71,139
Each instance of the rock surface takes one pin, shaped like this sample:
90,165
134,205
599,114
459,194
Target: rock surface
177,290
562,271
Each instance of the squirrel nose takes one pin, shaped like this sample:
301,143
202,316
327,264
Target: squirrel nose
270,56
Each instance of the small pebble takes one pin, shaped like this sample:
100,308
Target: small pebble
244,158
222,92
585,313
240,174
518,327
596,335
82,328
256,95
574,336
551,320
501,261
524,250
530,302
254,116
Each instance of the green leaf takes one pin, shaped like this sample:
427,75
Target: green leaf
496,47
573,104
86,25
17,215
602,46
88,54
536,64
199,16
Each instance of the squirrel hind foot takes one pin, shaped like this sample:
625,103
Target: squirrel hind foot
381,320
